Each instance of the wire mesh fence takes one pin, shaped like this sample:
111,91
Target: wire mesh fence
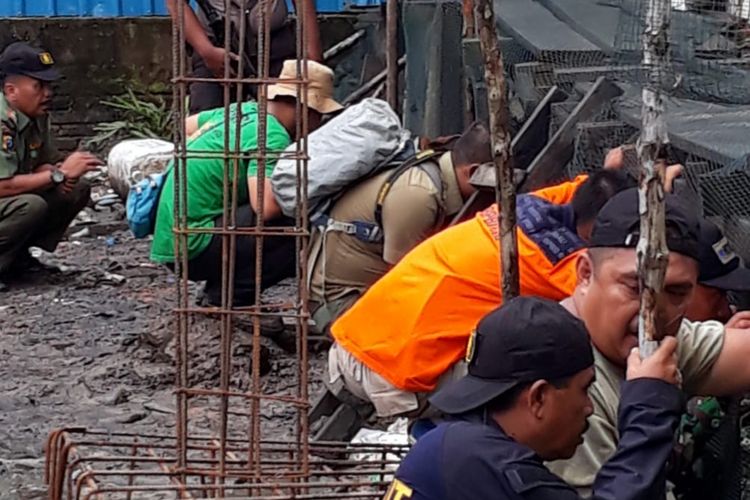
569,44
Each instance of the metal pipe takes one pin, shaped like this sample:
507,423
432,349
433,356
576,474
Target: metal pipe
505,190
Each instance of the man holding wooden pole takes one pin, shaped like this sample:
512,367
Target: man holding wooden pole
625,305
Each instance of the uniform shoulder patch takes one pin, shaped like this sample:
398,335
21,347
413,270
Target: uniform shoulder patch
398,491
8,124
7,143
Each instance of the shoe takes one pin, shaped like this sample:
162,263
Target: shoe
27,263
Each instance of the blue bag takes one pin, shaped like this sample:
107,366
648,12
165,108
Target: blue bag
141,205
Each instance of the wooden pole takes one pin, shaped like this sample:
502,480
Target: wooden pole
470,29
343,45
505,191
469,32
652,248
391,53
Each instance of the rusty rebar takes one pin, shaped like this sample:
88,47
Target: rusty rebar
98,464
302,248
180,240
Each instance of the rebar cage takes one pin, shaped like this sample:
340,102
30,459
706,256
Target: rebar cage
233,436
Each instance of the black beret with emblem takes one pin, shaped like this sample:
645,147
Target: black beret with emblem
20,58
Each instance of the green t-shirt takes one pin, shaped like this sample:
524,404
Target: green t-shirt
205,176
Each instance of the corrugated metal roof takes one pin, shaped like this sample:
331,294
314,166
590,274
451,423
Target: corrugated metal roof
97,8
128,8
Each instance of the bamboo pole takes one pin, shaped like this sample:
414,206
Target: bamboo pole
652,248
505,191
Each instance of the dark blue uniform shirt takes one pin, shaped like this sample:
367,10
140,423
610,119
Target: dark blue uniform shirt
473,459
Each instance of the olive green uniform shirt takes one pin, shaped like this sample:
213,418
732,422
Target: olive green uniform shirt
412,211
699,346
25,143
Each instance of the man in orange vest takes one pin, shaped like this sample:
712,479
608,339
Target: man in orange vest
408,331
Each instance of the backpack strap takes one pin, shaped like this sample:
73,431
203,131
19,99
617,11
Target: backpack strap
215,20
372,232
417,160
363,231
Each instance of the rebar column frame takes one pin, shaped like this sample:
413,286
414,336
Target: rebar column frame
234,85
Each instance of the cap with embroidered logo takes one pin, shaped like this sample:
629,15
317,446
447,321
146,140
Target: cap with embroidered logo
20,58
720,267
618,224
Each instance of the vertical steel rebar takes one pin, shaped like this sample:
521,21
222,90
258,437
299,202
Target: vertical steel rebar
301,246
180,239
264,34
391,53
652,249
237,149
505,191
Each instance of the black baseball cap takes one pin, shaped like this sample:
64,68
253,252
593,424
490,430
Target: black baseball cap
720,267
524,340
20,58
618,224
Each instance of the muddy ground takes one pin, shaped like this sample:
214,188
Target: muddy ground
86,347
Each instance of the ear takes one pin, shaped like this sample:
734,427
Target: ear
536,396
584,270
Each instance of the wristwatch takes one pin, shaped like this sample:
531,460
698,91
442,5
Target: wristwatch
57,176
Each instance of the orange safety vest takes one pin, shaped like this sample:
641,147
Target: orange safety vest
413,324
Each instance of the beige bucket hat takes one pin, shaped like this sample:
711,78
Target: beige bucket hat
319,88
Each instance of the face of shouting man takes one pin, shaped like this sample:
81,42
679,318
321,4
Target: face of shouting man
608,298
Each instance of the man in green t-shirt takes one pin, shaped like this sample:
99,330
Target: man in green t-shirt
205,186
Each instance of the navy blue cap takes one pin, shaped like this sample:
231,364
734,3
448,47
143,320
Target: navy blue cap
524,340
20,58
720,267
618,224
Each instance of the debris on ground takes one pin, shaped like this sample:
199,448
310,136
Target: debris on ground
88,341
